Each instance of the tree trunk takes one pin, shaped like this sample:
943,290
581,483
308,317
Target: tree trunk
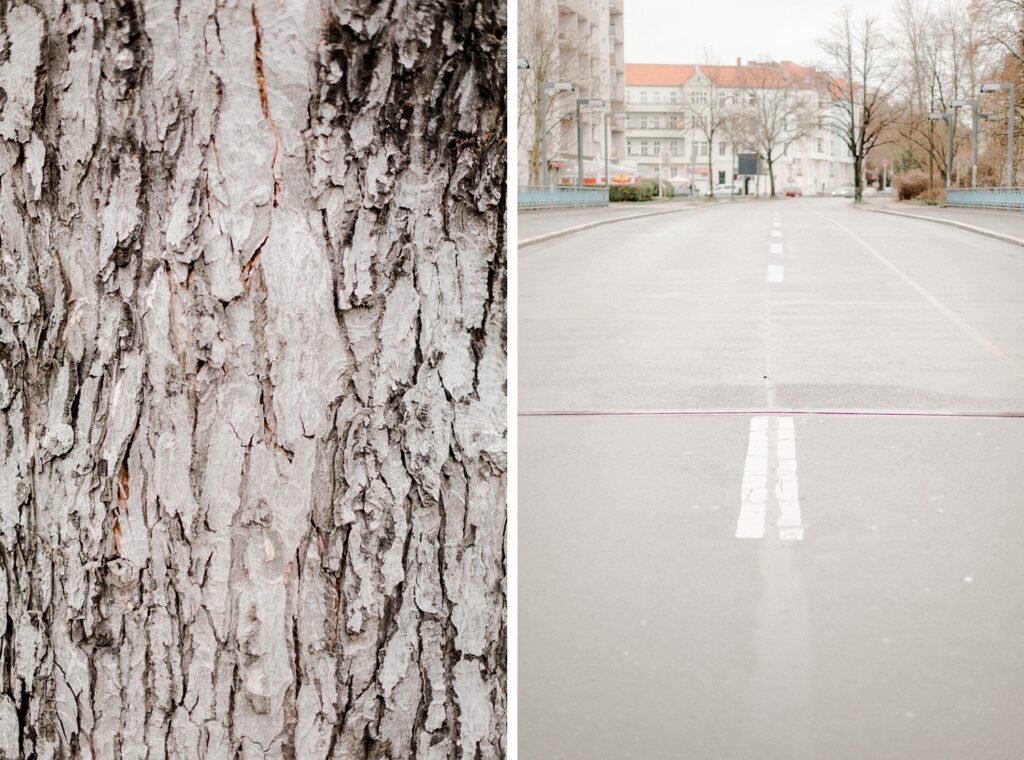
711,169
771,174
857,171
252,380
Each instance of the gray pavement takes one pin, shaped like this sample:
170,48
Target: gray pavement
647,628
1005,222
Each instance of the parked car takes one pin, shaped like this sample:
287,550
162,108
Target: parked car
792,191
846,191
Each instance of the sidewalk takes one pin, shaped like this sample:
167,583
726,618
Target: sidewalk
535,222
1005,225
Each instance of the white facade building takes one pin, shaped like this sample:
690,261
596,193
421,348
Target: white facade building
582,42
663,102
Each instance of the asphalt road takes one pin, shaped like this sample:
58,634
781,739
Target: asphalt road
827,561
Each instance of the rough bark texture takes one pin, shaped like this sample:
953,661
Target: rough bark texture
252,379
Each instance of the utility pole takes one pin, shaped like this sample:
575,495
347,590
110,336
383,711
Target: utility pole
971,103
544,87
1010,123
597,103
950,118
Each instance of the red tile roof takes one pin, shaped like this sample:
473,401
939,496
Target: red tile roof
752,74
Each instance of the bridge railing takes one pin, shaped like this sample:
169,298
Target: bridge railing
561,197
986,197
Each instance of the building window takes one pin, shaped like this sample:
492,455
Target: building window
721,148
643,122
655,123
643,96
673,146
657,147
673,122
657,96
819,145
721,178
751,98
673,172
702,148
699,97
629,147
673,96
643,147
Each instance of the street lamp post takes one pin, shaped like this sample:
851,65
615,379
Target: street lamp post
949,117
1010,125
972,103
597,103
544,87
608,116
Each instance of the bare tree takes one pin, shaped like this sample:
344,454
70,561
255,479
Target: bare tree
777,113
860,86
708,115
252,380
553,56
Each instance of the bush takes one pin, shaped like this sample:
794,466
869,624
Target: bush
911,184
639,192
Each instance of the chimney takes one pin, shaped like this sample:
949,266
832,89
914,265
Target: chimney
739,62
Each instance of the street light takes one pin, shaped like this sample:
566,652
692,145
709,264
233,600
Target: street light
949,117
596,103
609,115
1007,86
971,103
544,87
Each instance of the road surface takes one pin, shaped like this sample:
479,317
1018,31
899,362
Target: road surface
771,489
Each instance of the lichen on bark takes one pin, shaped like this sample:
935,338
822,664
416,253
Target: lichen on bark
252,379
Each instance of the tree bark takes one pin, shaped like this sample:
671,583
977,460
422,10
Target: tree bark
252,379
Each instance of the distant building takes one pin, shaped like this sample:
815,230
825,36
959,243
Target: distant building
579,41
665,100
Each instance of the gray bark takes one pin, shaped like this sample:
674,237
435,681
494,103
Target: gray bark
252,379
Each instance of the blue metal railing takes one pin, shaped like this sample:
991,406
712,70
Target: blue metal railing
986,197
562,197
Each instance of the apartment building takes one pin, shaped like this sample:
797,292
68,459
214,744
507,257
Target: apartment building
665,104
581,42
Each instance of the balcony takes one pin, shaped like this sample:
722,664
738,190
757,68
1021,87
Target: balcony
579,7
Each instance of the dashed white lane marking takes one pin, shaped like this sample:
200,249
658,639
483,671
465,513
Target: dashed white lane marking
775,273
787,492
776,233
776,222
755,482
754,488
775,248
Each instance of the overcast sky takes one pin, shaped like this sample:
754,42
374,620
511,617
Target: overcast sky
678,31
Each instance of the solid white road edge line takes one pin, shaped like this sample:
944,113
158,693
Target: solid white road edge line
787,492
775,273
754,489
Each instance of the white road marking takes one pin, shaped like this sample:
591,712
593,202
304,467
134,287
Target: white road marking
776,222
787,492
952,316
775,248
755,482
754,488
775,273
776,233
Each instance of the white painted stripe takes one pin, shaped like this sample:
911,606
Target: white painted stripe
775,273
775,248
754,489
776,222
776,233
787,491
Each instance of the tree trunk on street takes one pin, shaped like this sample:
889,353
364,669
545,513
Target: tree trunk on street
252,380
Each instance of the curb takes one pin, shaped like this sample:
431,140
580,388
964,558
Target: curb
598,223
950,223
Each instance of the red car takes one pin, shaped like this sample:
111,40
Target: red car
792,192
